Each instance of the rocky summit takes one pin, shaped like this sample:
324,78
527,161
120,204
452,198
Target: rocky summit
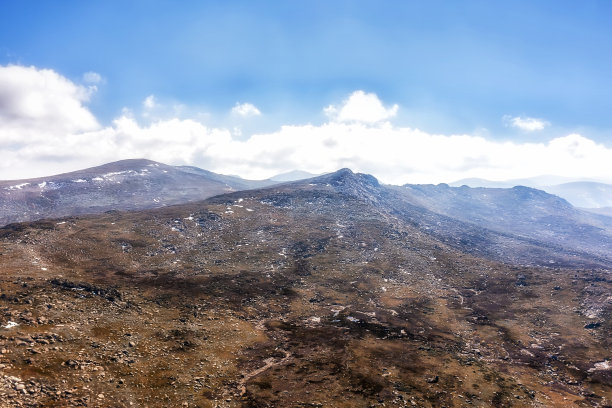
335,291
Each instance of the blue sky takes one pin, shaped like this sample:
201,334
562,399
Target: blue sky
469,67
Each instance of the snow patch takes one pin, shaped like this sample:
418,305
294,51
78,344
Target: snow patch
602,365
10,324
17,186
114,173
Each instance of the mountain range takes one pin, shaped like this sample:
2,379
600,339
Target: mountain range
501,219
335,290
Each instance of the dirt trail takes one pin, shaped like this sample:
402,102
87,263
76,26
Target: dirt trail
269,362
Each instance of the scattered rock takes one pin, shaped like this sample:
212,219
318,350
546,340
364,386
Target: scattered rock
433,380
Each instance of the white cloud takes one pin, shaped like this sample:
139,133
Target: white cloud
525,123
361,107
400,155
245,110
149,102
92,77
46,128
35,103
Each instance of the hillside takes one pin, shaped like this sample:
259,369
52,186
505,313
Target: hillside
541,223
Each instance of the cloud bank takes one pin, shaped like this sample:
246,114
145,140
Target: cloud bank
46,128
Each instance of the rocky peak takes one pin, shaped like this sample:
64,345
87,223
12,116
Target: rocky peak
345,181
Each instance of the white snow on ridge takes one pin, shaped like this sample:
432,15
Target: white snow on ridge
79,181
111,175
17,186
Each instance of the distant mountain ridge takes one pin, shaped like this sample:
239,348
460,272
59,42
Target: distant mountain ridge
293,175
123,185
584,194
234,181
532,216
535,182
580,193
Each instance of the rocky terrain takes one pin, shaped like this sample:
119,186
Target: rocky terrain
122,185
330,292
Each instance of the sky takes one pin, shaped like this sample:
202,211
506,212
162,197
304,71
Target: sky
409,91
